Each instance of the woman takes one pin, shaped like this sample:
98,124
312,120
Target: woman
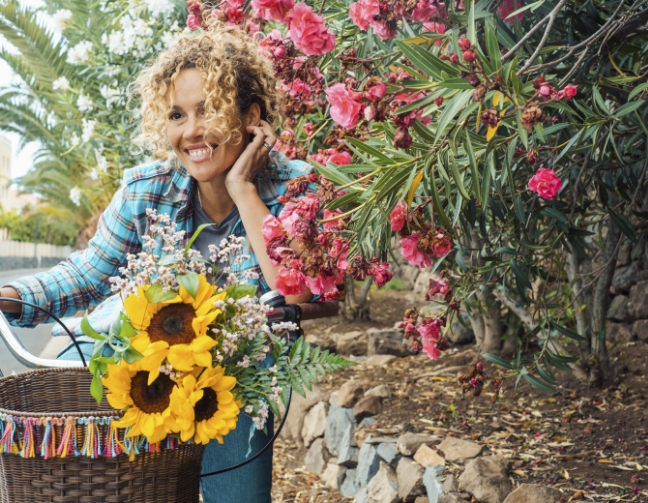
207,105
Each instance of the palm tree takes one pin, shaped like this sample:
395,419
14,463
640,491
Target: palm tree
71,95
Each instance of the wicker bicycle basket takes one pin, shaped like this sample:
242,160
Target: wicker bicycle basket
42,408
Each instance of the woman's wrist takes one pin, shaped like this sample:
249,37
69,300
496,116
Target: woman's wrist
240,191
10,307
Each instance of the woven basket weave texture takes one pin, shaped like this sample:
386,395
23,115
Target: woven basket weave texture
167,476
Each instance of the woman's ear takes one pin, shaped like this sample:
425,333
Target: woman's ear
253,115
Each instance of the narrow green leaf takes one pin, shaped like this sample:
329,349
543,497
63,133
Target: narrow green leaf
96,388
566,333
476,181
497,361
458,178
637,90
470,28
87,329
554,214
194,237
628,108
623,223
537,383
521,275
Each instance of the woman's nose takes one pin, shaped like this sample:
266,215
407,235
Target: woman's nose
195,127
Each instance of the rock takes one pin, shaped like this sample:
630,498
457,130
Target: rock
368,465
361,496
347,452
625,254
379,360
314,423
432,482
322,340
405,427
317,457
409,443
450,484
348,394
461,334
428,457
383,488
534,493
381,391
410,480
640,330
618,332
638,301
366,407
422,283
387,452
351,343
348,487
422,499
459,450
386,342
618,309
299,406
487,479
451,498
339,423
624,278
368,422
333,474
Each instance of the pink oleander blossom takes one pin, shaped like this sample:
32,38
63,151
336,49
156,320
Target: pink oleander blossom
289,217
425,11
570,91
545,183
376,93
291,281
321,284
345,105
412,254
328,214
441,247
309,31
507,7
276,10
431,349
380,273
193,21
399,216
272,230
339,247
340,158
437,288
362,13
430,329
383,31
308,206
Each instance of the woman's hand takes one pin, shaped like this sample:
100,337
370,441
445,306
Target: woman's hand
243,173
10,307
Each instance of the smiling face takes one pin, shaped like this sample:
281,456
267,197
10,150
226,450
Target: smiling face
204,156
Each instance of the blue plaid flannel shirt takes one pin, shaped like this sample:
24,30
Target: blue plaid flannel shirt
82,280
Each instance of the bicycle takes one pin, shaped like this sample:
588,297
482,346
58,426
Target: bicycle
27,408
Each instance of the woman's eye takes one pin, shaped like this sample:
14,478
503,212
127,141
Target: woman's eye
174,116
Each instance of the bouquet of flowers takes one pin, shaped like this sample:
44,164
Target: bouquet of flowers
187,356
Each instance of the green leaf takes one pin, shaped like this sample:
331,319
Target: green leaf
450,111
492,46
456,83
628,108
554,214
156,294
132,355
127,330
458,178
537,383
623,223
190,282
546,375
470,28
566,333
332,174
521,276
497,361
194,237
637,90
367,149
96,388
87,329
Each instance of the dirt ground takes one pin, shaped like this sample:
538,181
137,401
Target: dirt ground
590,443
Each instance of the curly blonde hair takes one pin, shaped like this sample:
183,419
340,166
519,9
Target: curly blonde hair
235,74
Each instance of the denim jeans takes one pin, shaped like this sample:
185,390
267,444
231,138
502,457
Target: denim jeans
251,483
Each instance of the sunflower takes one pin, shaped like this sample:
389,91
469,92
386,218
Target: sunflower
149,410
205,408
175,329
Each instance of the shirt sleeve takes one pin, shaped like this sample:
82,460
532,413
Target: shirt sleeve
83,279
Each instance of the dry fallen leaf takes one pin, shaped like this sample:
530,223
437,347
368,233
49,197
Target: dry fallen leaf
578,495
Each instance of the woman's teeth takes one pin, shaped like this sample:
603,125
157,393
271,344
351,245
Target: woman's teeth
198,152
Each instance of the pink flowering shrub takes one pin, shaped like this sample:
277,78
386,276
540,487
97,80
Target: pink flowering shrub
345,105
309,32
272,9
545,183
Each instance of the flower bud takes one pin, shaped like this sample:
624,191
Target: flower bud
490,117
402,138
469,56
454,58
464,43
438,101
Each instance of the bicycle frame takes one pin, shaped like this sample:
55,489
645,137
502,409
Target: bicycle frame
23,356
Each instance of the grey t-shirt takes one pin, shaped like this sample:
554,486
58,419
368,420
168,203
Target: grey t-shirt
213,234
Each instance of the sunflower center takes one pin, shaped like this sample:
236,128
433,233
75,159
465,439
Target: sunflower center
207,406
172,324
154,397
